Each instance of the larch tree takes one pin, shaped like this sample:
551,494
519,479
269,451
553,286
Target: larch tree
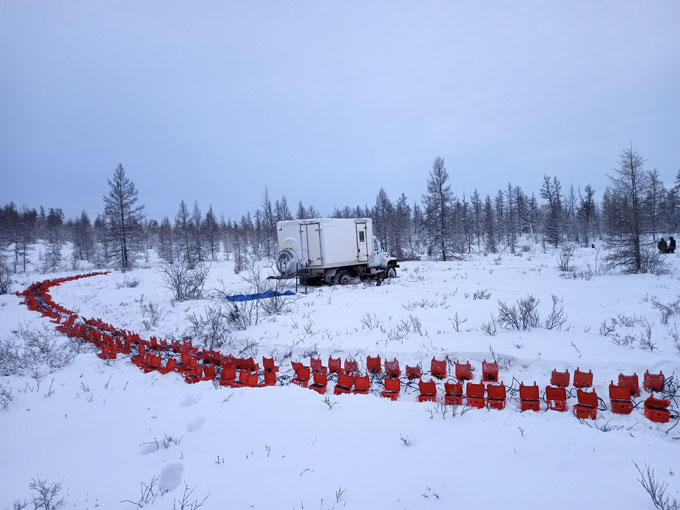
184,235
165,244
196,226
382,219
629,186
301,212
268,225
653,200
586,213
477,208
551,191
401,227
211,230
489,227
123,217
511,218
438,201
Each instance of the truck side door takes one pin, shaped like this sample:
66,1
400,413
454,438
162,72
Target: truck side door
310,237
362,242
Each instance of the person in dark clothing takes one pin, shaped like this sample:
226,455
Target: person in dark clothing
671,246
663,247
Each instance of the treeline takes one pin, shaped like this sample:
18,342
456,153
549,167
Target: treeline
439,224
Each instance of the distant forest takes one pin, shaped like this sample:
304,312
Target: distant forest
630,214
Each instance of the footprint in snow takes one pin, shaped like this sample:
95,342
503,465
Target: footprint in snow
149,448
190,400
195,424
171,476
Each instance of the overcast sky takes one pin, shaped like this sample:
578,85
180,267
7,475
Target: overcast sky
327,101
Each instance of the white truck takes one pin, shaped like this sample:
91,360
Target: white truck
331,250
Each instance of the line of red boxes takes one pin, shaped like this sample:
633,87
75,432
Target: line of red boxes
209,365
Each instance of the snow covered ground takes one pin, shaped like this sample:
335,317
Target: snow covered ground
105,430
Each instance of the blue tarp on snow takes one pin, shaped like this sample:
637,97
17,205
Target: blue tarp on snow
262,295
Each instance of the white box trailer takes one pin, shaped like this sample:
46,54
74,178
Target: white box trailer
333,250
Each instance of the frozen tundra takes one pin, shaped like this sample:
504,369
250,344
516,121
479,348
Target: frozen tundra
332,250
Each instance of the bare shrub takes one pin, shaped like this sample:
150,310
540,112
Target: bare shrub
128,283
481,294
249,311
629,321
556,318
490,328
626,330
417,325
35,352
152,313
523,315
184,282
623,340
607,328
656,489
425,303
667,309
370,321
212,328
5,279
399,332
6,397
584,274
645,337
46,496
186,503
457,321
564,260
330,403
277,304
504,362
674,334
168,441
147,493
440,409
244,314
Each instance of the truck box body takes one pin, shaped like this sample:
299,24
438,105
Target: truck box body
323,243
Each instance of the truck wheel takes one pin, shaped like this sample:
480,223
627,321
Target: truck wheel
391,272
342,278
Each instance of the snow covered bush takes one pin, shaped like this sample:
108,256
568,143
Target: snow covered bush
128,283
523,315
371,321
625,330
152,313
490,328
35,352
656,489
187,503
564,260
674,334
5,279
6,396
210,329
481,294
184,282
667,309
556,317
46,496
